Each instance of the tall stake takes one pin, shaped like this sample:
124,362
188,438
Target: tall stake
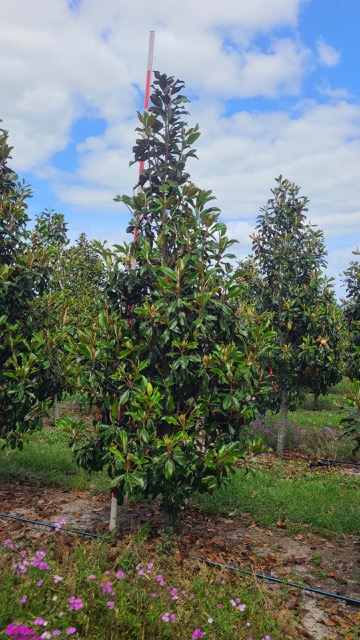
146,101
114,505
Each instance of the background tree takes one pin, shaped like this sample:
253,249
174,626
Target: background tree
289,253
352,318
323,346
24,274
173,362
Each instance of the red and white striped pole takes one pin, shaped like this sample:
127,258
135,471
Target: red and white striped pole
146,101
114,505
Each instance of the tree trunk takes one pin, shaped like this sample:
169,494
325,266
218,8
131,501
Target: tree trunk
284,408
169,522
56,409
316,401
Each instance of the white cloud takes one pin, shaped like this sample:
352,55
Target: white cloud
327,54
325,89
58,65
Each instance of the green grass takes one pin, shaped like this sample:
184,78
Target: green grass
203,601
325,503
46,459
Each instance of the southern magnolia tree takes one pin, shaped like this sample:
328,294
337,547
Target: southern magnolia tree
352,318
323,345
24,274
289,254
172,366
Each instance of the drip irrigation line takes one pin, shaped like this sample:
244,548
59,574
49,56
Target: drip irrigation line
328,594
329,462
278,580
52,526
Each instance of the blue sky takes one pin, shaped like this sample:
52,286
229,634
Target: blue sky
274,85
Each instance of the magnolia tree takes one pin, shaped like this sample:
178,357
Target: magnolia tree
24,276
323,345
352,318
172,365
289,254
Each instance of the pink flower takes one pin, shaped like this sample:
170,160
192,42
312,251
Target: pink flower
120,574
20,630
40,554
166,617
57,632
111,604
75,603
198,634
57,579
39,583
59,524
219,606
70,630
23,599
173,618
46,635
153,595
92,576
106,588
8,543
39,620
159,578
241,607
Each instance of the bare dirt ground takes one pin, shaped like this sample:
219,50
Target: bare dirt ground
314,561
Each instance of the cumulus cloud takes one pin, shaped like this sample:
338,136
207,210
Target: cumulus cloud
327,54
61,62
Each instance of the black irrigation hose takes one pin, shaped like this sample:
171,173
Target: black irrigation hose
52,526
216,564
285,582
329,462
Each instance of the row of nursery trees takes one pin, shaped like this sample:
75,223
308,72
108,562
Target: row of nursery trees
174,345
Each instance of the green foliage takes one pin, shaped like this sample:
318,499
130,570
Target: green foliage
351,423
24,274
288,254
173,363
323,346
352,317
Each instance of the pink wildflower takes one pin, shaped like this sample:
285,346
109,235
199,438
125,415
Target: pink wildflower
198,634
75,603
120,575
8,543
23,599
110,604
59,524
70,630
